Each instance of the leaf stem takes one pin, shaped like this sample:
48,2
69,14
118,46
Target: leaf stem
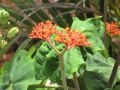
114,71
76,81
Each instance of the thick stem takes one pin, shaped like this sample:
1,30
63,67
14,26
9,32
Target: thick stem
60,55
50,86
76,81
62,71
114,71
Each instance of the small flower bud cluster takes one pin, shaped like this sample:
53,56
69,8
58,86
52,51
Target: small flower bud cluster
9,34
3,43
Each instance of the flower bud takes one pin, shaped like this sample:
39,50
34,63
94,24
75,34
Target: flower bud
12,32
3,43
4,16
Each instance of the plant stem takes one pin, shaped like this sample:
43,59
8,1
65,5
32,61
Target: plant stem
105,19
60,55
50,86
53,46
62,71
76,81
114,71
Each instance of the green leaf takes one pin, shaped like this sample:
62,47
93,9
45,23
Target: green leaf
73,60
47,63
95,25
22,45
96,42
18,74
98,71
109,89
94,81
34,47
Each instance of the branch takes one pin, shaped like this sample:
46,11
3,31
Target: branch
50,86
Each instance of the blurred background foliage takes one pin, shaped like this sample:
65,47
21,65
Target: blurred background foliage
26,13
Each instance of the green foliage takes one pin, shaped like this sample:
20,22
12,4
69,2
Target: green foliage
92,64
93,28
47,57
46,63
92,68
18,73
98,71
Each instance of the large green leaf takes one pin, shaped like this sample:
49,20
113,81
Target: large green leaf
18,74
46,63
95,25
93,29
98,71
73,60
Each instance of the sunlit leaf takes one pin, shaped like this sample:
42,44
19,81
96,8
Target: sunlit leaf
18,74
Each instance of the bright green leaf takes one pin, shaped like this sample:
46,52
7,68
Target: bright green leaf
96,42
18,74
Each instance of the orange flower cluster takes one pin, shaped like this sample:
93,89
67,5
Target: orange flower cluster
43,30
112,29
72,38
69,37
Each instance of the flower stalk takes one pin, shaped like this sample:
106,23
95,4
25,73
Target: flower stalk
62,71
61,61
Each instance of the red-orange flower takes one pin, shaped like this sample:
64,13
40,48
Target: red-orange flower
72,38
69,37
112,29
43,30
